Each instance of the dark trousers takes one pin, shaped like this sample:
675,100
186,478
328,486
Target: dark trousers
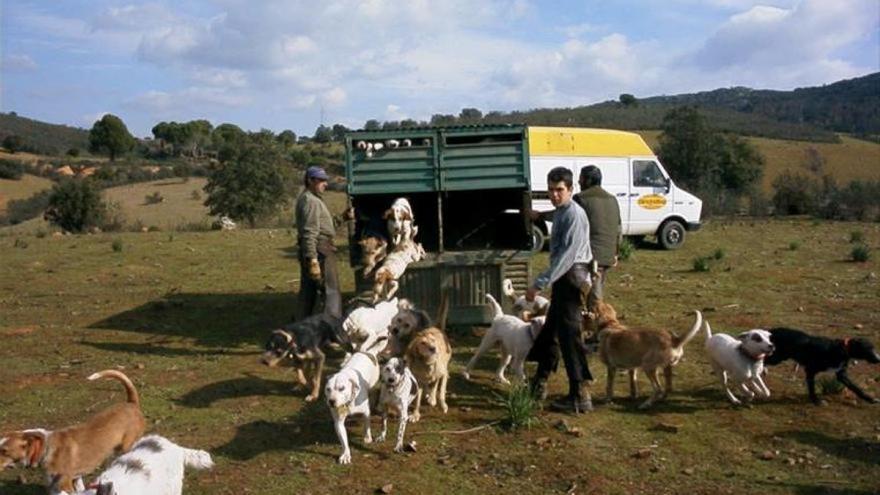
310,291
562,331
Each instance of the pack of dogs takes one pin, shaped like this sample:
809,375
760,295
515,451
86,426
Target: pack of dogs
398,355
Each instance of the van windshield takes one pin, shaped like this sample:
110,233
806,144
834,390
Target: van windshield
646,173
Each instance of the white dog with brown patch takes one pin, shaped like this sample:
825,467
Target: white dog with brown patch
386,279
516,338
153,466
348,393
523,308
400,222
741,359
366,326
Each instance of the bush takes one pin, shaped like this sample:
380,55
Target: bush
75,205
117,245
626,249
196,195
19,210
794,194
520,408
861,253
794,245
73,152
718,254
856,236
152,199
11,169
701,264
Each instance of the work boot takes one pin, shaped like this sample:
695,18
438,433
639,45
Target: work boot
578,402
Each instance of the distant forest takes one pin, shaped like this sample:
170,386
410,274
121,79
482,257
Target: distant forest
806,114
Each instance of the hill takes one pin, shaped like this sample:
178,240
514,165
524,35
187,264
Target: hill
21,189
41,137
851,106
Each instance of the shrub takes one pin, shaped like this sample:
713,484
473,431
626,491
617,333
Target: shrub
41,233
19,210
20,243
718,254
75,205
856,236
520,408
11,169
195,195
73,152
701,264
626,249
114,218
794,194
794,245
155,198
861,253
117,245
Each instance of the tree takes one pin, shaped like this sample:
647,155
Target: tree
439,119
248,187
338,132
323,134
628,100
13,143
228,140
286,138
372,125
470,114
110,134
75,205
704,159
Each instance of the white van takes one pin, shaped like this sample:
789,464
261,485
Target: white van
650,202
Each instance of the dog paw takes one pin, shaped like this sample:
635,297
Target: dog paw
414,418
399,448
432,401
311,397
380,438
466,375
345,458
444,408
368,440
503,380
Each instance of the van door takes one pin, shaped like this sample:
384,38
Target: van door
650,197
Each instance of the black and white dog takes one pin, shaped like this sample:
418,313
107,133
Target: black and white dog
817,354
399,389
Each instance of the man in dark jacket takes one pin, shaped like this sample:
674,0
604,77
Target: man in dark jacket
603,213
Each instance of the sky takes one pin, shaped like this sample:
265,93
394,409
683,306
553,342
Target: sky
296,64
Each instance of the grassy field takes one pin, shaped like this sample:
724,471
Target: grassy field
183,202
185,314
848,160
26,187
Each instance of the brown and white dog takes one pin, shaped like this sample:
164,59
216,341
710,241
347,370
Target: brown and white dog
373,251
386,279
651,350
400,222
70,453
428,355
523,309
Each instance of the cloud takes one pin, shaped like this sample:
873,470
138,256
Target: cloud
16,62
191,99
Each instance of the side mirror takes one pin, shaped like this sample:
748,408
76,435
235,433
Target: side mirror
668,184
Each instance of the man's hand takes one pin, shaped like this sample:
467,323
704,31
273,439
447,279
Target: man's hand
531,293
349,213
616,260
534,215
314,269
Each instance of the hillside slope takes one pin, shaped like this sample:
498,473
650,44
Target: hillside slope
47,139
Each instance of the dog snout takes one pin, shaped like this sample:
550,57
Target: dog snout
432,349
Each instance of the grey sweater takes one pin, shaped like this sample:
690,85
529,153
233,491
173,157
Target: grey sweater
569,243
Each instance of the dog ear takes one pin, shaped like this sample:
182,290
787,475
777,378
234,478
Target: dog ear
404,304
36,442
423,320
355,388
743,336
388,214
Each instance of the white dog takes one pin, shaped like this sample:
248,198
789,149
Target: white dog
400,222
740,358
153,466
386,278
348,393
516,337
522,308
366,326
399,389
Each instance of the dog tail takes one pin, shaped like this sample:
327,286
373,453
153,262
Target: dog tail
707,329
497,307
507,288
118,375
197,459
680,343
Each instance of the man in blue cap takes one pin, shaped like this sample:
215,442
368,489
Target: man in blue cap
315,228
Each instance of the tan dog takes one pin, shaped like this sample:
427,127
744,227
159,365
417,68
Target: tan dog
70,453
647,349
373,251
428,355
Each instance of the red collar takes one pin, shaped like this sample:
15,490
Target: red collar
846,345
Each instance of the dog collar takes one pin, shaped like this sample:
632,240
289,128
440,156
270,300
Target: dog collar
846,341
745,353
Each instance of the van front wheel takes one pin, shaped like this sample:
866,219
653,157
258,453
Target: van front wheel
671,235
538,239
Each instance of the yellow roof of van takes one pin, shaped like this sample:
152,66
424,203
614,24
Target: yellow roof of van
576,141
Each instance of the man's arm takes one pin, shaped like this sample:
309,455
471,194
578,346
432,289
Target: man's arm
310,229
562,260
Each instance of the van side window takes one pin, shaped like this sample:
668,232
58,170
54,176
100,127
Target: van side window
646,173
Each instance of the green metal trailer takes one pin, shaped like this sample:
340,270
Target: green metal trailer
469,188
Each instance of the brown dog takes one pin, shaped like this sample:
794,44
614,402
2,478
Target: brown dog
70,453
647,349
428,354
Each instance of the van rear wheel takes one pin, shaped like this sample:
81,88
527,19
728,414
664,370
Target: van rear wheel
671,235
538,239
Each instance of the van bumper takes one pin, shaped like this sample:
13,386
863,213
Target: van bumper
693,226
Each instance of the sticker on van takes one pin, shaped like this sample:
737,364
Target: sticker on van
652,202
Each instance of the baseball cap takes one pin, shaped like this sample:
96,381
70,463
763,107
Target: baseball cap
316,173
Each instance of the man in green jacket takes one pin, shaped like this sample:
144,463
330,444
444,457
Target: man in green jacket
315,228
603,213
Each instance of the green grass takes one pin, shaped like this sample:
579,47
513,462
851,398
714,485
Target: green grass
186,316
21,189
